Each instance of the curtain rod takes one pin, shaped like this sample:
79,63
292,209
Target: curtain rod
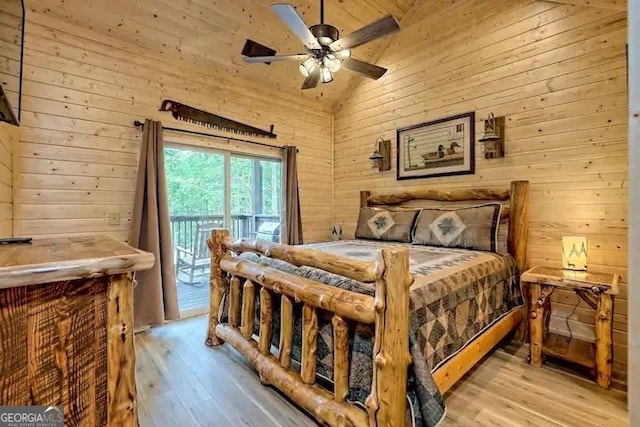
140,124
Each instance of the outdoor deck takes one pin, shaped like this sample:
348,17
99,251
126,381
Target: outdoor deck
193,298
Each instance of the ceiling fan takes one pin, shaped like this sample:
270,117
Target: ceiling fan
326,52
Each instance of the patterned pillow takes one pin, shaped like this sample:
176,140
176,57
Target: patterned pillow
381,224
467,228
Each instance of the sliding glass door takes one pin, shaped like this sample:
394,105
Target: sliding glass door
210,189
256,195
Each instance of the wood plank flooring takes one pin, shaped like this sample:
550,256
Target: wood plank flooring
181,382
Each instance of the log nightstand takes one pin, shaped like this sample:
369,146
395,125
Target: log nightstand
597,290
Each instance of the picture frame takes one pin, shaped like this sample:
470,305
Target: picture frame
442,147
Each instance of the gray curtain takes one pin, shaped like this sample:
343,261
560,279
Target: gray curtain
155,299
291,229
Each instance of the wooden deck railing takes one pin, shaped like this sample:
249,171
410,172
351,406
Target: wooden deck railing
184,227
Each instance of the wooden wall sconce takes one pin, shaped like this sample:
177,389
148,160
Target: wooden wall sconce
381,157
493,139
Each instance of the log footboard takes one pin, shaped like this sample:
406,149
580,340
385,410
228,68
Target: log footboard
388,311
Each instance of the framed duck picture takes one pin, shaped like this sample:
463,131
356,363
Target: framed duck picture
439,148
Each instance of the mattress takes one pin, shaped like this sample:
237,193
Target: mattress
456,295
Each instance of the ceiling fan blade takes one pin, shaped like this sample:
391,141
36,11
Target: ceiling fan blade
253,48
312,81
268,59
289,16
384,26
372,71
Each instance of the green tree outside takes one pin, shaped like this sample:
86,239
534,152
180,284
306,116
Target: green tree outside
195,181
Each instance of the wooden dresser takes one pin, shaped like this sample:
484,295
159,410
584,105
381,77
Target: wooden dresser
66,328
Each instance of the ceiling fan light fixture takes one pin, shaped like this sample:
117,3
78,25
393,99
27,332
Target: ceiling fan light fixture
325,75
308,66
332,63
325,34
343,54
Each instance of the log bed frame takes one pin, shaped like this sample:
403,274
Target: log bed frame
388,310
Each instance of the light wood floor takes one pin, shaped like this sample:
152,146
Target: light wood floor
183,383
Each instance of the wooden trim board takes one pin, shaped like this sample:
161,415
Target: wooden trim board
453,370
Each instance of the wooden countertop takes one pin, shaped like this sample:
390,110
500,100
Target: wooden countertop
68,258
572,279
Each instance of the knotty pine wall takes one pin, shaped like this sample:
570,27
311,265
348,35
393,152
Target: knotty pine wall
8,139
77,159
558,74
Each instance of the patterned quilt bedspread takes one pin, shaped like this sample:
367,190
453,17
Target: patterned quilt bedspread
456,295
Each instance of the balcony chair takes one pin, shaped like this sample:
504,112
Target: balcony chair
195,261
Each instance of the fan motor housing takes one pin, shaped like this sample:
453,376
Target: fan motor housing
323,32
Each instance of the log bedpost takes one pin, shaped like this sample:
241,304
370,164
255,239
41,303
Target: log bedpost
386,405
364,195
519,223
216,283
517,241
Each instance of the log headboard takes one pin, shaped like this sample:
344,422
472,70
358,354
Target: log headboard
516,212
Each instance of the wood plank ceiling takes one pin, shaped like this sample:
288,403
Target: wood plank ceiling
211,33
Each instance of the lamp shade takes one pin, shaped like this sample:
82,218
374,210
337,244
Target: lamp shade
325,75
332,63
574,253
377,155
308,66
489,136
343,54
